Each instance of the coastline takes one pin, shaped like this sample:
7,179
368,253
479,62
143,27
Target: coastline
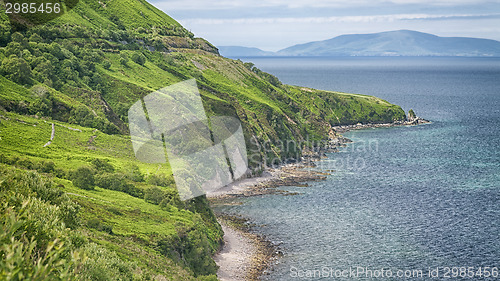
253,253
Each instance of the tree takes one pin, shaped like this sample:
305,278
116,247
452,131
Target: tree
16,69
106,64
5,30
83,178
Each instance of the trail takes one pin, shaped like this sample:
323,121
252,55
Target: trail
52,136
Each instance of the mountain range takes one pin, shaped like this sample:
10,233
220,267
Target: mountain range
390,43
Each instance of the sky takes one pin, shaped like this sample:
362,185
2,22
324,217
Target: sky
272,25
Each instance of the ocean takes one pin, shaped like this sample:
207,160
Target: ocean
404,203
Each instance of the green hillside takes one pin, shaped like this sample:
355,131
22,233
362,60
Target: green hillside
81,206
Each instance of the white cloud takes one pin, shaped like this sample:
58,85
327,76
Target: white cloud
354,19
238,4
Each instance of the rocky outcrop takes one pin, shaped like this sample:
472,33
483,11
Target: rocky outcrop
413,119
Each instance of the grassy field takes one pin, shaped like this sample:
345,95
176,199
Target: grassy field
118,221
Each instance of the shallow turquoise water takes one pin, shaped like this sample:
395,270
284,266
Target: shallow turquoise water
406,198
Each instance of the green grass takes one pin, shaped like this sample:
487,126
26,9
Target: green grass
132,14
135,222
12,91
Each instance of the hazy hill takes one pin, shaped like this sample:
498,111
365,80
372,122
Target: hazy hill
395,43
238,52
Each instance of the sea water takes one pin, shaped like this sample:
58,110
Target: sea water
422,202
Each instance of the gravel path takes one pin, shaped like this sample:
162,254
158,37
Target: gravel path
235,258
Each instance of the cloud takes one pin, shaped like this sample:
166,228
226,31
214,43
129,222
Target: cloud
339,19
294,4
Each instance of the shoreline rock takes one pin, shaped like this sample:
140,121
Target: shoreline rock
410,122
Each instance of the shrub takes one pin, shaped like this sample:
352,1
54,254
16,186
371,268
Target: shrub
123,59
102,165
191,247
102,264
98,225
154,195
411,114
16,69
16,185
83,178
106,64
25,163
134,173
24,257
160,180
117,182
138,58
46,167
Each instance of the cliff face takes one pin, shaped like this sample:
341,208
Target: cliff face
84,70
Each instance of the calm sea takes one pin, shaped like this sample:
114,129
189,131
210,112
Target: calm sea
411,200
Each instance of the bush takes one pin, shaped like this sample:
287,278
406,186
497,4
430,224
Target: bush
133,173
83,178
106,64
25,163
154,195
123,59
160,180
138,58
17,185
102,165
46,167
98,225
102,264
411,114
16,69
23,257
191,247
117,182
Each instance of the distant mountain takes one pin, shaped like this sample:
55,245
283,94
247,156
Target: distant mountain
395,43
238,51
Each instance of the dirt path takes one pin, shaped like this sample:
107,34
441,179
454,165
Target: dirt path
52,135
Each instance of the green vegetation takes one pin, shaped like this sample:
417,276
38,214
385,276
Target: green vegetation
111,216
411,114
82,207
83,178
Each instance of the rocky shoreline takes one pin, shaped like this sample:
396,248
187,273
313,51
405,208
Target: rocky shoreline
265,253
412,121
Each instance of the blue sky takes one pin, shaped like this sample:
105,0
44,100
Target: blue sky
276,24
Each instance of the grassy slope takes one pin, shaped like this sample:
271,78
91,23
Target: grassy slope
136,224
268,110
